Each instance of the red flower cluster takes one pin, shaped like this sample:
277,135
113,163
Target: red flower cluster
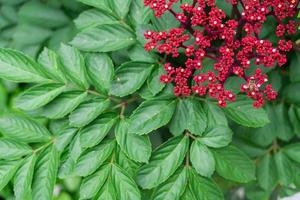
233,43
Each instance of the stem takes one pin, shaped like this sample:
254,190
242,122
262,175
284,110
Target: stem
187,159
123,107
188,134
43,146
187,155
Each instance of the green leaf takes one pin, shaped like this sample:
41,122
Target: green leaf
163,163
202,159
138,53
126,188
108,191
15,66
88,163
88,111
136,147
45,174
76,148
64,137
233,164
62,105
39,96
104,38
203,188
294,118
130,77
102,5
139,14
7,171
30,34
74,65
94,133
92,18
12,150
291,93
215,115
129,165
52,64
42,14
100,69
121,7
266,173
243,113
189,115
220,136
292,151
151,115
93,183
153,82
284,168
23,129
294,71
173,188
23,178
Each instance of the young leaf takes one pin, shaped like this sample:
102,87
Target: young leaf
292,151
74,65
173,188
100,69
12,150
7,171
52,64
134,146
104,38
189,115
23,129
266,173
62,105
126,188
151,115
163,163
202,159
92,18
23,178
243,113
218,137
233,164
153,82
94,133
15,66
39,96
88,111
130,77
121,7
45,174
203,188
93,183
284,168
88,163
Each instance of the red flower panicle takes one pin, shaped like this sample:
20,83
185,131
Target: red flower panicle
233,43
